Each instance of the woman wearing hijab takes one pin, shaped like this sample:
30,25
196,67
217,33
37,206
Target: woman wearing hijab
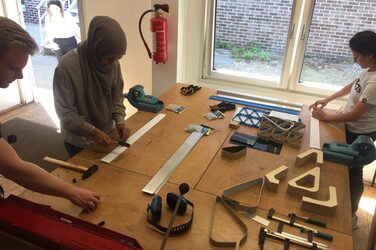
88,87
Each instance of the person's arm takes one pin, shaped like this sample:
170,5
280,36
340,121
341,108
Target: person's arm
75,28
118,109
342,92
64,98
359,109
34,178
50,35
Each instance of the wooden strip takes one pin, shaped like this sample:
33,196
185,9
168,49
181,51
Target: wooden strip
314,134
133,138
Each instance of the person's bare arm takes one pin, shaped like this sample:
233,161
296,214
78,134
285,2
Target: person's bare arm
359,109
343,92
32,177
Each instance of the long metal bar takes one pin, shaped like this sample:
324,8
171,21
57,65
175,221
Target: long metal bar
160,178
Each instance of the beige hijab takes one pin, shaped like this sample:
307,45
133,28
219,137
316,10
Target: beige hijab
105,39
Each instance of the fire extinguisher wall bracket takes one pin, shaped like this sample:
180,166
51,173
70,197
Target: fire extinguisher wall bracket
158,27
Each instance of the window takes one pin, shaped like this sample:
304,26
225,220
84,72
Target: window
292,45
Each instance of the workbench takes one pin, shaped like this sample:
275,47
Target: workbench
123,205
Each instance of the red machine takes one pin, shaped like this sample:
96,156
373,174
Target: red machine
44,227
158,26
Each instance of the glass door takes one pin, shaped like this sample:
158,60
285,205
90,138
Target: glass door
19,91
327,62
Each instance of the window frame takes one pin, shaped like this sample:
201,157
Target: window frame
296,42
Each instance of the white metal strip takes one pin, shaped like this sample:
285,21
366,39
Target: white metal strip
256,218
133,138
262,99
161,177
314,134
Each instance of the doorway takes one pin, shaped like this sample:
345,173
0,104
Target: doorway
36,19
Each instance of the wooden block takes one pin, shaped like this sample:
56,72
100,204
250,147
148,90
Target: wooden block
272,178
310,155
234,152
234,124
327,208
299,185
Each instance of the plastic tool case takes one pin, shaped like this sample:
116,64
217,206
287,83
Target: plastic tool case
44,227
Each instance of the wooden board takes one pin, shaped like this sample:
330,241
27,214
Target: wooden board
123,205
222,174
148,154
123,208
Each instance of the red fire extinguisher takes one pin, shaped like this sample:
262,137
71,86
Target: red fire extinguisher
158,26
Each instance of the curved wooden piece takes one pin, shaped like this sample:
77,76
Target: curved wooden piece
311,177
310,155
272,178
327,207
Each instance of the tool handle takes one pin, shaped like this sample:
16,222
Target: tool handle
315,222
65,164
324,236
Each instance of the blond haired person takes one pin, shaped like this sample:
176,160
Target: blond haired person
15,47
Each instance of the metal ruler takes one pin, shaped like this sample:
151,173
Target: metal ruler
160,178
132,139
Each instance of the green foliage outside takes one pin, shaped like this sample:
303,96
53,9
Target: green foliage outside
252,51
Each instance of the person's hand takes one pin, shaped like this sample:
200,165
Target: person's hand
319,104
83,198
100,137
55,46
319,113
123,131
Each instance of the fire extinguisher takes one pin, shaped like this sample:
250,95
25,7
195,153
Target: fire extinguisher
158,26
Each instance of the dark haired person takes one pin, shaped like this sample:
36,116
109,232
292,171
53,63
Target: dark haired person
61,29
15,47
359,114
88,88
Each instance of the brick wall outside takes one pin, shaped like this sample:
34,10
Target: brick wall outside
31,13
266,22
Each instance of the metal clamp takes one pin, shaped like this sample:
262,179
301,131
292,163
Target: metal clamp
238,206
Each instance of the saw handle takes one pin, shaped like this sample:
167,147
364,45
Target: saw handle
316,222
319,234
65,164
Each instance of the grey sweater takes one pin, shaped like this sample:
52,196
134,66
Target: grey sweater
77,112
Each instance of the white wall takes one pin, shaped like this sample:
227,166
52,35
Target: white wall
191,38
137,68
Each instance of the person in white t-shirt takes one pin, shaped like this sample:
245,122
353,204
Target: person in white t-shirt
359,114
61,29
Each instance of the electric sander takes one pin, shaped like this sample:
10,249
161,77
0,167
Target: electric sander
137,98
361,152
